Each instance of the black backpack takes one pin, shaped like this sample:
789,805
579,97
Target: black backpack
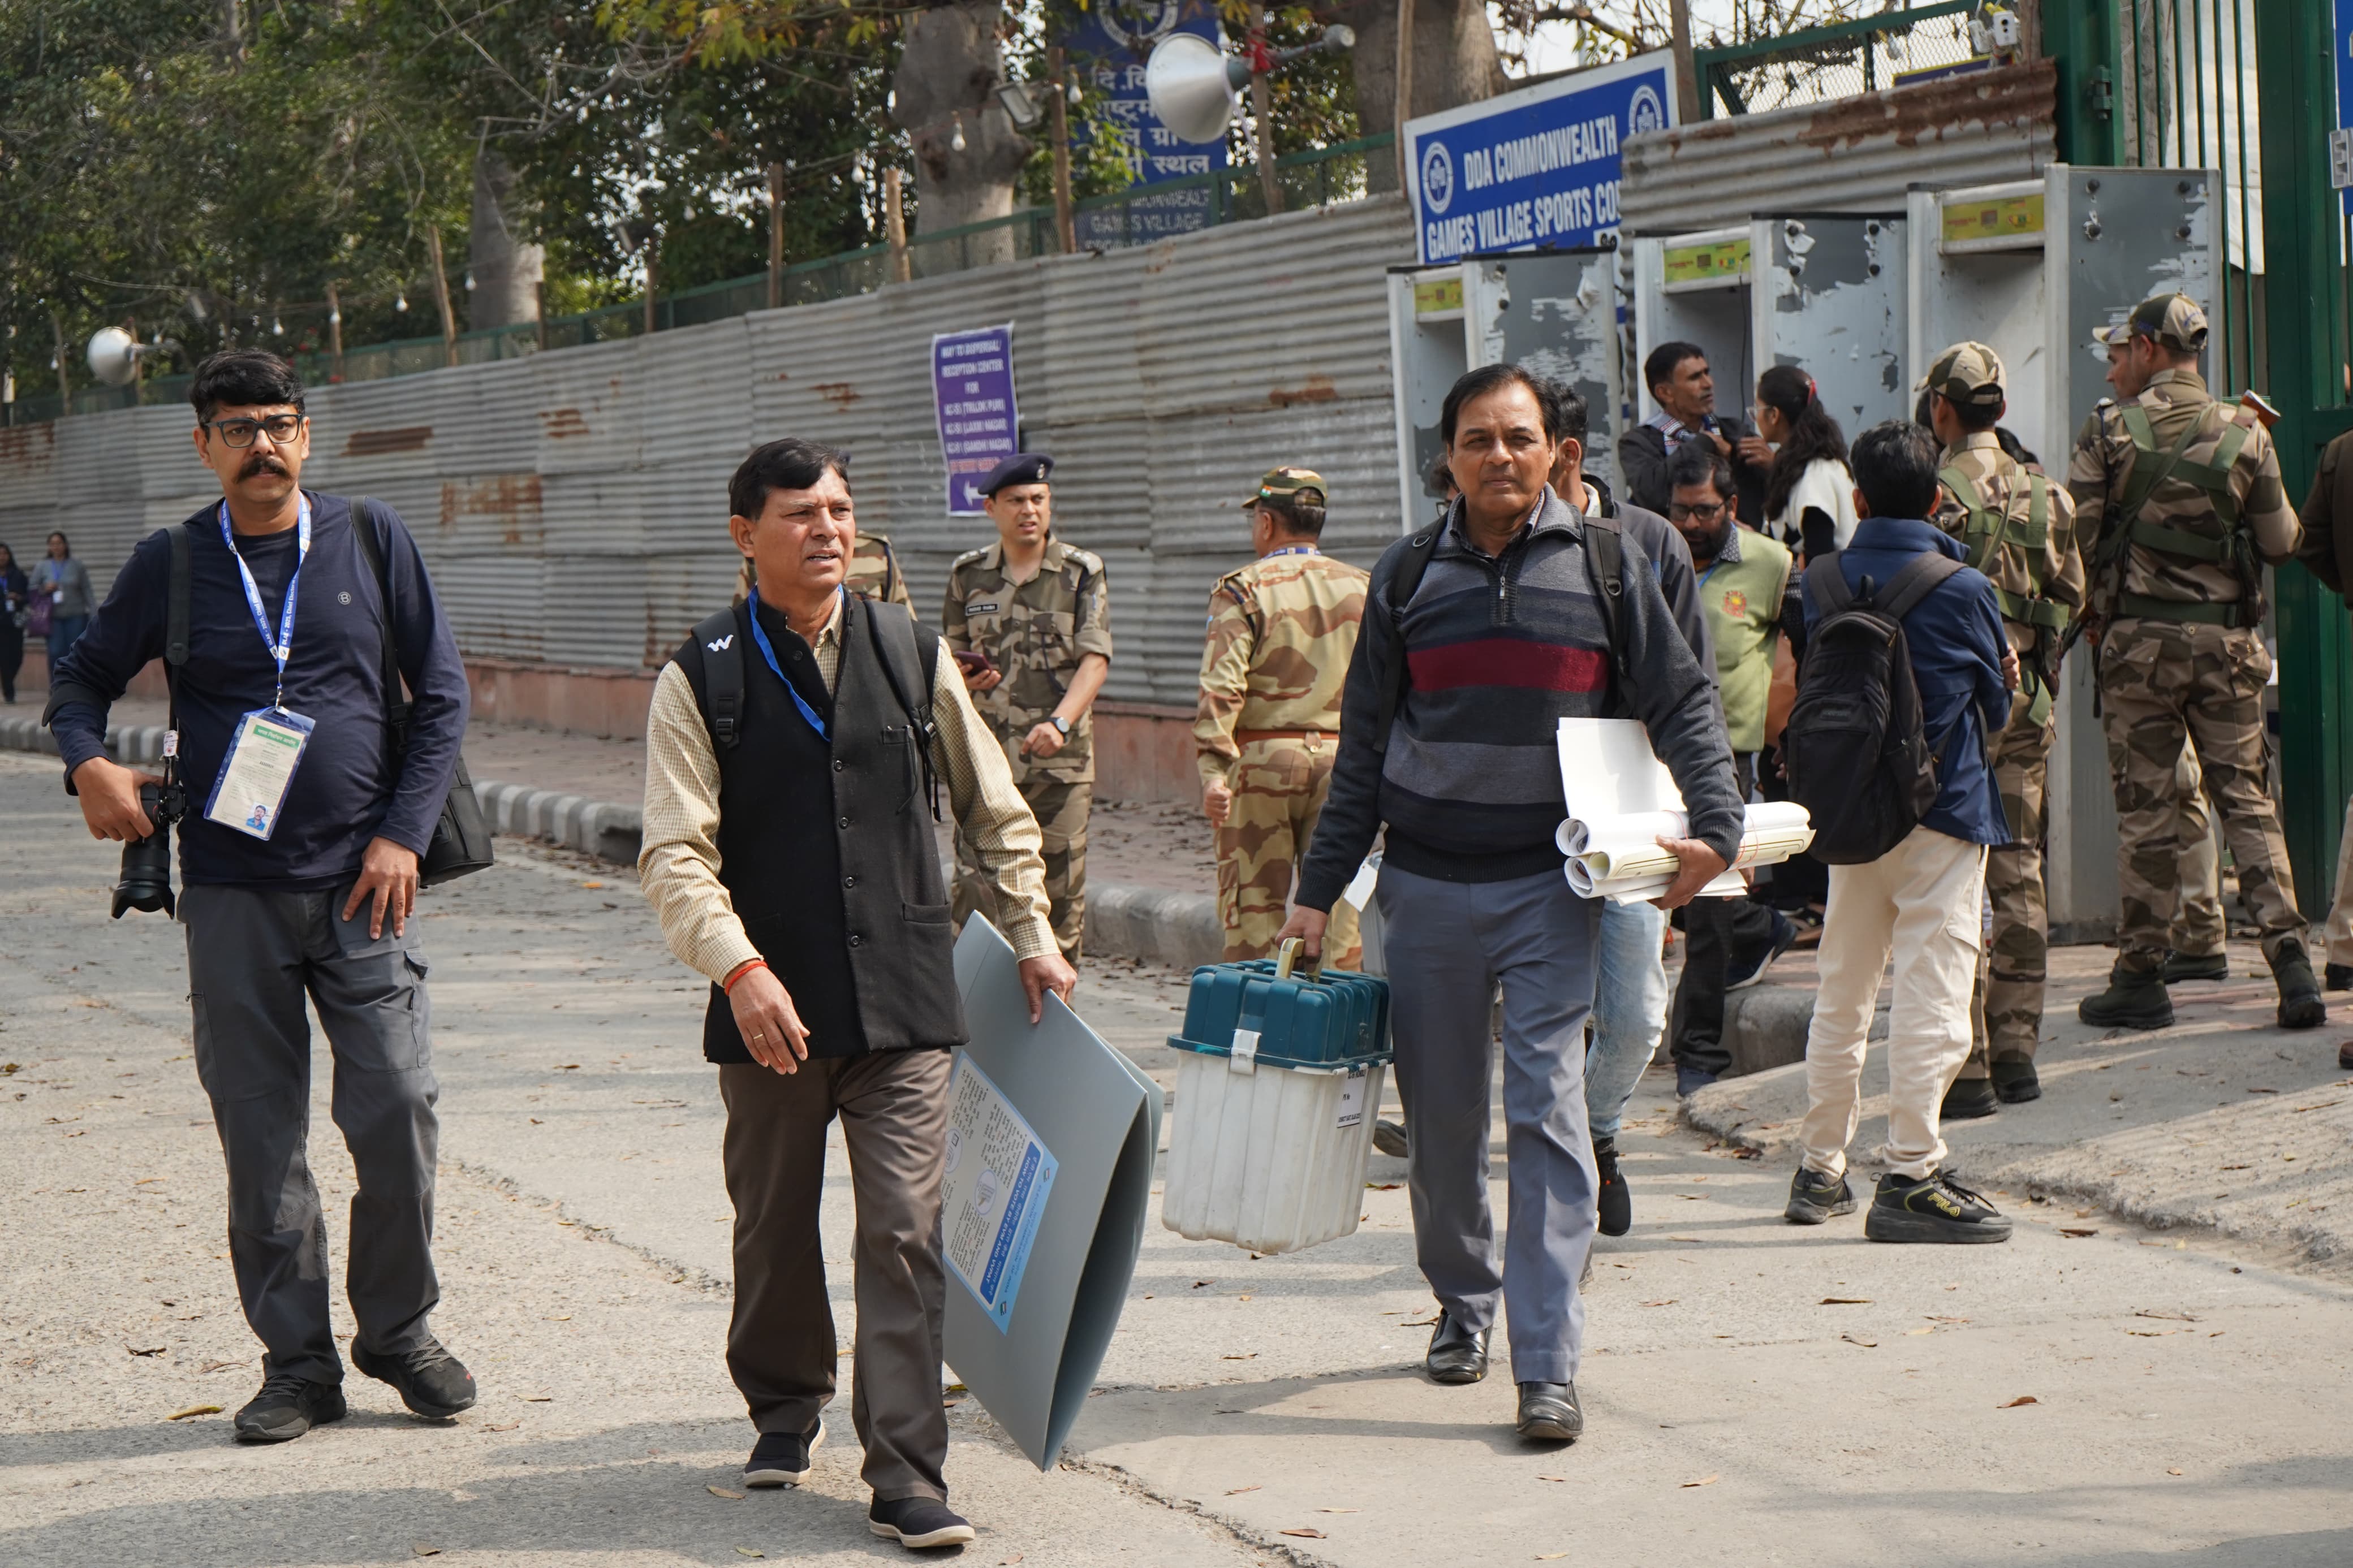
1857,759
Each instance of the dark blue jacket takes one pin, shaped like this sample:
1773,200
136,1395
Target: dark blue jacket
345,792
1958,643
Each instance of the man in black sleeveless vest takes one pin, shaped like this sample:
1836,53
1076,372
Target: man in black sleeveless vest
793,764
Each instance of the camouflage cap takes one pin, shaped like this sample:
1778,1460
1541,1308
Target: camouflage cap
2173,320
1968,373
1303,485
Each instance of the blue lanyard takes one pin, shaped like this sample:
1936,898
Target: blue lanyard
284,644
1291,550
769,651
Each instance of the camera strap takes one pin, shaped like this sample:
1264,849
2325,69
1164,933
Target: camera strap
175,646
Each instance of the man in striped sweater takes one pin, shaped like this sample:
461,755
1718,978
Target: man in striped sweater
1503,634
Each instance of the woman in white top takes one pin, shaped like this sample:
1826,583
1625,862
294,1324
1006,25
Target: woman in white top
1809,494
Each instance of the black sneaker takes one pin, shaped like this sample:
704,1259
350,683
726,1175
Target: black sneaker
1815,1197
917,1522
2015,1082
432,1383
1691,1080
1969,1097
2181,966
1548,1413
1456,1354
1783,934
2135,999
288,1407
2337,976
1615,1203
2300,1007
782,1459
1933,1208
1388,1138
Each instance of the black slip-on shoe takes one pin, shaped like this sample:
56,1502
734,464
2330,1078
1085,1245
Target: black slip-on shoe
2135,999
1456,1354
782,1459
1691,1080
1614,1204
1969,1097
919,1522
1933,1208
1815,1197
2300,1007
1785,934
2015,1082
2338,977
288,1407
2181,966
1388,1138
1550,1413
432,1383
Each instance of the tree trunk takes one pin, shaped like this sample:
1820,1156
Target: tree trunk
506,266
947,87
1454,62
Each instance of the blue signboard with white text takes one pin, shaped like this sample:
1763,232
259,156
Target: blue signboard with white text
1536,168
1108,51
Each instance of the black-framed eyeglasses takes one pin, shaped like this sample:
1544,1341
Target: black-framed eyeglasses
238,433
1685,511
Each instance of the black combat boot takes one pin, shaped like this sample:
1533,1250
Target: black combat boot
2181,966
2300,1007
2136,999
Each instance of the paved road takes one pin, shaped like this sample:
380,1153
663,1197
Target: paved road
2187,1398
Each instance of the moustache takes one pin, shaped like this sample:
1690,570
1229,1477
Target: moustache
260,463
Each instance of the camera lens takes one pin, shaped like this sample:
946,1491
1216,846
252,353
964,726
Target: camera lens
146,880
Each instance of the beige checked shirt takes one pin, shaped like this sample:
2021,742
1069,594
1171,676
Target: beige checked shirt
679,865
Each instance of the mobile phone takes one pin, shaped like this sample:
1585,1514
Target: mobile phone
975,661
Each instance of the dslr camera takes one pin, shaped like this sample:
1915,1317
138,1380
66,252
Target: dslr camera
146,879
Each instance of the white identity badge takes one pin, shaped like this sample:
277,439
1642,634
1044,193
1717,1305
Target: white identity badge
254,777
267,747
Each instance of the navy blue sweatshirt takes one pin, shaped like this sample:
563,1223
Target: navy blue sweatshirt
345,792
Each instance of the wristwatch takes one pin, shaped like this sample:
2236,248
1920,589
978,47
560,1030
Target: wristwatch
1061,723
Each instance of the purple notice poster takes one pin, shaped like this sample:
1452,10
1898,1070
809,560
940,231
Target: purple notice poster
971,387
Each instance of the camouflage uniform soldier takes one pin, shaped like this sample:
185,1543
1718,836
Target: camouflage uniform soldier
1281,633
2190,499
1029,620
874,572
2019,530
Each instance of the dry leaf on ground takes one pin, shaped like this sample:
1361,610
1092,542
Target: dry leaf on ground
1339,1511
193,1410
1237,1492
421,1550
1306,1535
747,1552
2021,1399
722,1491
1867,1344
1846,1301
1703,1481
2065,1230
2171,1471
501,1426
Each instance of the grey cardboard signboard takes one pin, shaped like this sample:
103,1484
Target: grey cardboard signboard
1069,1106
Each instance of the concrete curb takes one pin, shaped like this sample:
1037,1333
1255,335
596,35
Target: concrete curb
596,827
1181,930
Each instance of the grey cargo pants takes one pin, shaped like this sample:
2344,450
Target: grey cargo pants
253,957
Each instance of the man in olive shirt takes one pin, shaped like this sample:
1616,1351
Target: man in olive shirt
1029,620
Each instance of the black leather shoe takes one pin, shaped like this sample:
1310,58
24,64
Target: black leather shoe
1615,1205
1969,1097
782,1459
432,1383
1548,1413
1456,1354
1388,1138
2181,966
287,1408
919,1523
2015,1082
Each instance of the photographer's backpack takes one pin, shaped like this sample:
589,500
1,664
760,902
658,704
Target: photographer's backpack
1857,759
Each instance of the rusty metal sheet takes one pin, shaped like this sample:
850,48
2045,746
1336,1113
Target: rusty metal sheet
1853,154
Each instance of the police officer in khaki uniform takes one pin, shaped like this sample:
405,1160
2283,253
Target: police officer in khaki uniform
1029,619
2189,496
1281,633
2019,527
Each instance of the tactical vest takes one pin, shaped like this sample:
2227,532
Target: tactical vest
1988,529
2222,539
825,847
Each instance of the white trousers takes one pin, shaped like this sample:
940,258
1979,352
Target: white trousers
1922,901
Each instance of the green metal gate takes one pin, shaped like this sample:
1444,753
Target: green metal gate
2185,83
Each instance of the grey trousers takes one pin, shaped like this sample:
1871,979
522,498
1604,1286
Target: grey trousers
781,1350
1448,944
253,957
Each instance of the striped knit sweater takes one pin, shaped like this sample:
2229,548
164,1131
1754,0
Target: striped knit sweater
1497,649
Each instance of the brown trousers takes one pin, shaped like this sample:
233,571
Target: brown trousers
781,1349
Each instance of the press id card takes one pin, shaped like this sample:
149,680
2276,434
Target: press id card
262,756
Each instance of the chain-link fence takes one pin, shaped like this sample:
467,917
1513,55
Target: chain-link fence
1893,48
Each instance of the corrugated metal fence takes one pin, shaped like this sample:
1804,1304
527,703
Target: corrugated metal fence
573,505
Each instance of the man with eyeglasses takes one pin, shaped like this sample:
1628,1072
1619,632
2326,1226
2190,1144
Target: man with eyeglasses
1743,575
299,862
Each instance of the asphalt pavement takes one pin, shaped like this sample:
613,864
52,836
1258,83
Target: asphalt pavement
1754,1393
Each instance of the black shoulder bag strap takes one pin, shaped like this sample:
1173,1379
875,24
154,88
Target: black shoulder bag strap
1828,582
723,677
175,643
1605,563
364,523
899,644
1412,567
1914,582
